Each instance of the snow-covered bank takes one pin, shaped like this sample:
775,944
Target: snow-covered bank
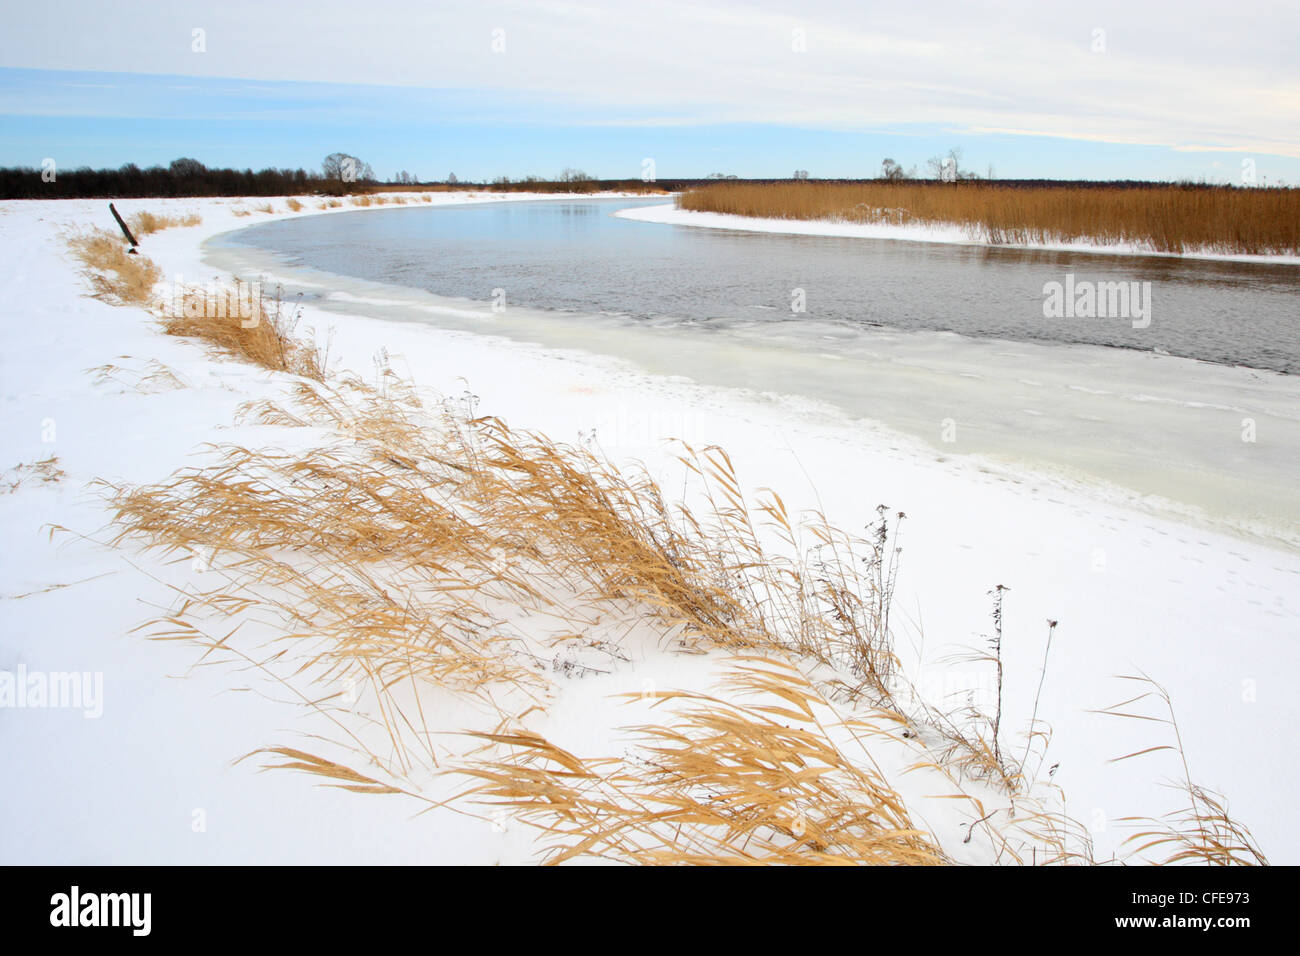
670,214
1213,618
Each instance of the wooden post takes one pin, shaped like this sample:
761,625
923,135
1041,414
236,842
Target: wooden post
125,231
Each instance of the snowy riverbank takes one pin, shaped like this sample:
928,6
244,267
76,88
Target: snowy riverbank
1210,616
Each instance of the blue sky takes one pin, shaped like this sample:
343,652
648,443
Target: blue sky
503,88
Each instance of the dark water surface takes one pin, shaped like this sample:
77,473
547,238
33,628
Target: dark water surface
1194,415
575,255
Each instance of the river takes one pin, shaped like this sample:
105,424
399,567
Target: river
1184,408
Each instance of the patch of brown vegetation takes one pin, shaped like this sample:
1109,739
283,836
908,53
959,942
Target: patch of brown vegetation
1162,219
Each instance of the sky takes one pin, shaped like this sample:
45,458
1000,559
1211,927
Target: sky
1105,90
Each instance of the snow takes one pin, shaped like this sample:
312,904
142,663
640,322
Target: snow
1212,616
669,213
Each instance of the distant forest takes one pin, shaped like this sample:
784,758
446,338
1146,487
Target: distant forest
189,177
183,177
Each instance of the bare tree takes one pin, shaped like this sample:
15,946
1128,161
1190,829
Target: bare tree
346,168
948,167
894,171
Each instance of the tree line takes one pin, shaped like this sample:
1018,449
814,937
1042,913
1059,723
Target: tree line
182,177
342,173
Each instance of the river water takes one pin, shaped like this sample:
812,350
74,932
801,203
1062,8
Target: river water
1182,404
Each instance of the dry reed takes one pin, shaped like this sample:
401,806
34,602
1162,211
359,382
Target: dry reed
387,561
154,377
116,276
254,329
1201,832
1173,219
45,471
146,223
727,783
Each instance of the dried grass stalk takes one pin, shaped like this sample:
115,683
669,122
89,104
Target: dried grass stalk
1162,218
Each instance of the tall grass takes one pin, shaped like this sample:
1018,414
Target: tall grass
765,781
146,223
266,336
388,560
115,275
1173,219
492,510
258,330
391,559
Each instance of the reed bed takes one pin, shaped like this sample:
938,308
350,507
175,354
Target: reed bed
389,560
429,492
1174,219
397,558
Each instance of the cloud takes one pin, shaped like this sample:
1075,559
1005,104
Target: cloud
1021,68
